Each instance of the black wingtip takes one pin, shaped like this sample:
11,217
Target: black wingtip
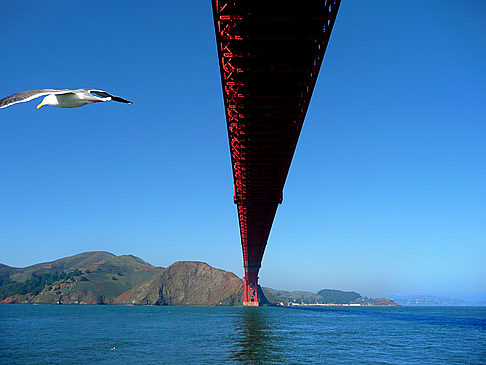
120,100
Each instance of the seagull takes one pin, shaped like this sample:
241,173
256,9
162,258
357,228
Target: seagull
62,98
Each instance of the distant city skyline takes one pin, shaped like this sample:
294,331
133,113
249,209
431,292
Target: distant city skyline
386,192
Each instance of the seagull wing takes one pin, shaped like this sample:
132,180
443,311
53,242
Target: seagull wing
104,94
24,96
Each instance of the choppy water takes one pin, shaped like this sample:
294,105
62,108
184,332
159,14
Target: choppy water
173,335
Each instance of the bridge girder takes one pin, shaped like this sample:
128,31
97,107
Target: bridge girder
270,53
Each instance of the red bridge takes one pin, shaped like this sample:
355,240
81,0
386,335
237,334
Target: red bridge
270,53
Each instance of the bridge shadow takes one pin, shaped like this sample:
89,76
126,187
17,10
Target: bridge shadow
255,340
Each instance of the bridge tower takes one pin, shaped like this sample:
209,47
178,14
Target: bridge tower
270,53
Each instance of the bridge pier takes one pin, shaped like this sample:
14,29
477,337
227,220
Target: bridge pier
251,289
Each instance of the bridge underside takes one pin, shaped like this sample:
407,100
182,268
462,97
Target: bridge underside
270,53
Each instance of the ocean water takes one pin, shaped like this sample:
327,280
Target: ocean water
71,334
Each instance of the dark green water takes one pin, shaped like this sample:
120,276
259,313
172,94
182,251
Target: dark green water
72,334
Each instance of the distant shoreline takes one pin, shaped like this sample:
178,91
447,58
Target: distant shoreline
336,305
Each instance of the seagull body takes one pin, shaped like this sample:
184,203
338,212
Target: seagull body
62,98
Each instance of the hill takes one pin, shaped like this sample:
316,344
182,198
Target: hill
338,296
90,277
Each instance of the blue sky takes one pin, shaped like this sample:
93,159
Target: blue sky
386,192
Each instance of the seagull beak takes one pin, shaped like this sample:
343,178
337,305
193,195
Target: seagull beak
40,106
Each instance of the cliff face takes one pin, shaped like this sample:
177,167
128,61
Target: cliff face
196,283
187,283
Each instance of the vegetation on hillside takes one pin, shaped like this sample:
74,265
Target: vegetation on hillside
338,296
34,285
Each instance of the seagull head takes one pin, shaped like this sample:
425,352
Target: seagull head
48,100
